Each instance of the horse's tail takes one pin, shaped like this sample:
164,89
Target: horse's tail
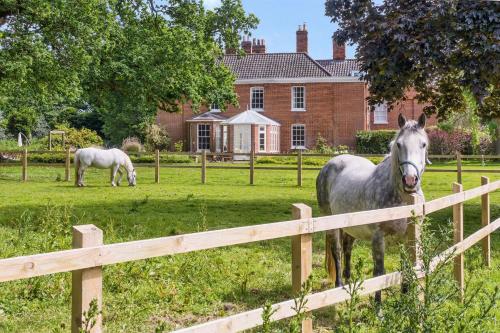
77,166
323,197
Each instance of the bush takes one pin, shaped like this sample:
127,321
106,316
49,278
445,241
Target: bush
156,138
47,158
374,142
23,120
76,138
322,147
132,144
163,159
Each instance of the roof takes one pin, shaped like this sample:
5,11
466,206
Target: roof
250,117
208,116
274,65
340,67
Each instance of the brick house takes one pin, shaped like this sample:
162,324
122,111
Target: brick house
306,98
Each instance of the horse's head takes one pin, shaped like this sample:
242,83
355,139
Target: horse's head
410,148
132,178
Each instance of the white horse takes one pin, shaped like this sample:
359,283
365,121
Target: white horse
104,159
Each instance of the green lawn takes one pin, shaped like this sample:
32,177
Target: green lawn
184,289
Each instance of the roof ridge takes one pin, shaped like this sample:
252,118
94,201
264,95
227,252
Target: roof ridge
317,64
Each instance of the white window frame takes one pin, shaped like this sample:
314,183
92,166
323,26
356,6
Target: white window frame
291,137
378,116
303,97
251,98
214,107
274,139
224,139
262,130
198,137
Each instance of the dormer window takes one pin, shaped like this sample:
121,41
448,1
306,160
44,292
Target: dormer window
214,107
356,73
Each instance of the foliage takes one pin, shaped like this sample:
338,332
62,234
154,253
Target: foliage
76,138
322,147
90,317
23,120
132,144
442,142
374,142
156,137
121,58
439,48
179,146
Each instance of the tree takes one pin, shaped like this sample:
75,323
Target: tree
123,58
439,48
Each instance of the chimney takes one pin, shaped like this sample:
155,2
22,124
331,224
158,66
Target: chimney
302,39
338,50
258,46
246,45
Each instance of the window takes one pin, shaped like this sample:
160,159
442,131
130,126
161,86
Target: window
257,98
203,137
224,139
214,107
262,138
380,114
356,73
217,138
298,98
298,136
274,139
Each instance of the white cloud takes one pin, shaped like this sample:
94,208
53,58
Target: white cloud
211,4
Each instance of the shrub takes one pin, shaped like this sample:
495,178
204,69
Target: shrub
156,138
47,158
444,143
322,147
374,142
23,120
132,144
179,146
76,138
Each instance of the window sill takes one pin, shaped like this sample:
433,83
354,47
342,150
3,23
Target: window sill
258,110
299,147
298,110
215,110
380,122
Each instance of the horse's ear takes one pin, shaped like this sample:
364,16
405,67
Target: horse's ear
421,120
401,120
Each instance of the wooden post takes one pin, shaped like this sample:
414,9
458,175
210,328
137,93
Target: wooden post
299,168
301,257
458,236
203,167
414,233
86,283
459,168
67,165
252,165
25,165
485,220
50,140
157,166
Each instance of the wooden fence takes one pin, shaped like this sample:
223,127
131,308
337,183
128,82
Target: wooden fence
204,165
89,254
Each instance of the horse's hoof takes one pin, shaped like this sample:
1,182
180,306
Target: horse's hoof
113,184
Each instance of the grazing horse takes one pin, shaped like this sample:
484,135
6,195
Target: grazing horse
350,183
104,159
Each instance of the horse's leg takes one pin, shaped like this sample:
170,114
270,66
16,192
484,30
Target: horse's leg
120,175
347,242
334,253
378,249
113,174
81,173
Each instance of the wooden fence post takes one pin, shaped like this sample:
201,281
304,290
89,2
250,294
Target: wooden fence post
252,165
157,166
86,283
458,236
299,168
485,220
24,175
414,233
67,165
301,257
203,167
459,167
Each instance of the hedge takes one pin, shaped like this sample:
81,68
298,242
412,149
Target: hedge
374,142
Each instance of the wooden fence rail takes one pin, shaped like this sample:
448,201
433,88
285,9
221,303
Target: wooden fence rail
89,255
204,165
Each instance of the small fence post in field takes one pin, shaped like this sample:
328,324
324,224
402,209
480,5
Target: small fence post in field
458,236
24,175
414,232
67,165
203,167
86,283
459,167
157,166
485,220
252,165
302,257
299,168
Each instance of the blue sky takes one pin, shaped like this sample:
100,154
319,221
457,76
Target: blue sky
279,20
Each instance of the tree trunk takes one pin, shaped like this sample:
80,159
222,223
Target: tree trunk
497,139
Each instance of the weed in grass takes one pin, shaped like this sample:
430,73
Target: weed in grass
89,318
137,204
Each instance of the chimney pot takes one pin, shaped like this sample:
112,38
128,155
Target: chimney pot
301,39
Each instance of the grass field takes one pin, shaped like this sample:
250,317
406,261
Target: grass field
185,289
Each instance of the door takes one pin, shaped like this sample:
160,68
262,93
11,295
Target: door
241,141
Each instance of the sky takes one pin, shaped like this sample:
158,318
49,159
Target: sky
279,20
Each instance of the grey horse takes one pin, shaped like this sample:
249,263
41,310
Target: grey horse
350,183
